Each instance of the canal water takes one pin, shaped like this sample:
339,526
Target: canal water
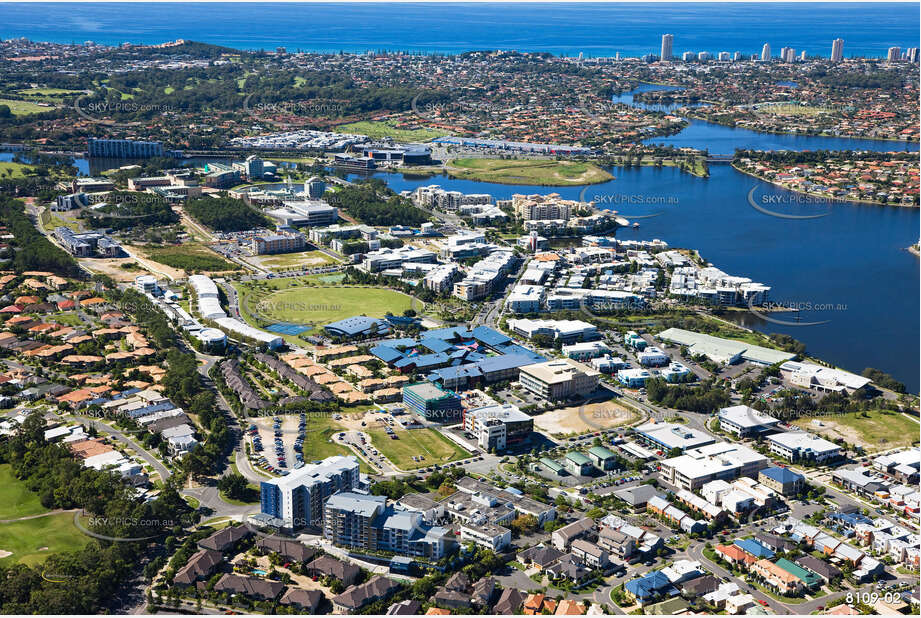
848,271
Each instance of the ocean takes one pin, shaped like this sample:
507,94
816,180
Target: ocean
633,29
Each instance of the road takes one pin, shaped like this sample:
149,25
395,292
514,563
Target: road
124,438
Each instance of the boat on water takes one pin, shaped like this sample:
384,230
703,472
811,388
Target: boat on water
636,225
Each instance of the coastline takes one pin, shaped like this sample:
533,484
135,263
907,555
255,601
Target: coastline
818,195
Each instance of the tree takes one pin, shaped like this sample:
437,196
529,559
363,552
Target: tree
234,486
524,524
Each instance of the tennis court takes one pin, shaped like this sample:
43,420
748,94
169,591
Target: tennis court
285,328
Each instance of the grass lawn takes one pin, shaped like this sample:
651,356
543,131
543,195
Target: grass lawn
9,169
879,430
318,442
189,257
32,540
376,130
436,448
24,108
54,221
70,319
16,499
329,304
527,172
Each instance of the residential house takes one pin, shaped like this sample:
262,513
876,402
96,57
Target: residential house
563,537
251,587
356,597
200,566
590,554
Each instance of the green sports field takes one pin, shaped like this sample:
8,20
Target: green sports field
322,305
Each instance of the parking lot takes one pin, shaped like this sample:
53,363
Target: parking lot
277,443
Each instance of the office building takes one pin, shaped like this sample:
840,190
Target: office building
253,168
312,212
314,188
723,56
364,522
146,284
559,379
721,460
566,331
837,50
383,259
633,378
432,402
766,52
298,499
782,480
667,40
895,54
787,54
73,201
586,350
801,445
668,436
913,54
277,243
704,56
123,148
498,427
746,422
525,299
652,356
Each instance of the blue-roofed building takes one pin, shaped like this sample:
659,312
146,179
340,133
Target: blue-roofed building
422,362
849,521
358,326
450,333
436,345
514,348
386,354
460,377
489,336
405,342
489,369
650,588
754,548
400,320
782,480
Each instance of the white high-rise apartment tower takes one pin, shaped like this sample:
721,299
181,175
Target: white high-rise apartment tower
667,40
